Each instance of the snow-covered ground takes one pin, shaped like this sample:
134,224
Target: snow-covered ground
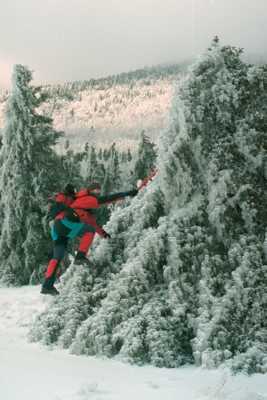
30,371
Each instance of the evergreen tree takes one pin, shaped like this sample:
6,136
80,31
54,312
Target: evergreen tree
123,157
92,169
27,157
129,155
112,179
89,164
106,154
236,193
127,178
146,157
183,278
100,154
70,168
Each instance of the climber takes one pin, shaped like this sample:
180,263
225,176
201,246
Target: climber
71,216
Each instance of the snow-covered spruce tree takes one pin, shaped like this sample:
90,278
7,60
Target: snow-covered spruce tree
25,180
70,167
228,99
112,171
92,168
146,157
183,278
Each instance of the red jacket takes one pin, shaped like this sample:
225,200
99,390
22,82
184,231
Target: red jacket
81,203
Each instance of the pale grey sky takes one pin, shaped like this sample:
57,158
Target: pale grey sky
64,40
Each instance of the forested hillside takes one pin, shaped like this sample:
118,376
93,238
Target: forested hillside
111,109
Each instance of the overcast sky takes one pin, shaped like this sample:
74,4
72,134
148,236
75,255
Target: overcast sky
64,40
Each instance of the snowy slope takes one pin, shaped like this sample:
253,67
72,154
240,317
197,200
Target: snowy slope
28,371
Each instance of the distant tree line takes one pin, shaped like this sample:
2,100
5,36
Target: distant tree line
70,90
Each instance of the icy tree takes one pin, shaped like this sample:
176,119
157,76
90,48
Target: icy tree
29,173
92,167
183,279
112,180
146,157
228,110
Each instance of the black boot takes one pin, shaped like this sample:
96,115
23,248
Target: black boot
53,291
48,287
81,259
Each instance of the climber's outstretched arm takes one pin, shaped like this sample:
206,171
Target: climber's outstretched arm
112,198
